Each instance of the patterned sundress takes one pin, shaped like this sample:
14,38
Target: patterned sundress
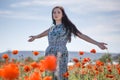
57,39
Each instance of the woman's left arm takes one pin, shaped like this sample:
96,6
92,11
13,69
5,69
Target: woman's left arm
90,40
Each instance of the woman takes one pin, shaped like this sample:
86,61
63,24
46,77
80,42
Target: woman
58,36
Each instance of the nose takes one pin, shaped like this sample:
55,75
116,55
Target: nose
55,15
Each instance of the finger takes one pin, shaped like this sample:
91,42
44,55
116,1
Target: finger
105,47
30,36
105,44
30,40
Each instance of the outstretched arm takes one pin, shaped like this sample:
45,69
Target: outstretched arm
43,34
90,40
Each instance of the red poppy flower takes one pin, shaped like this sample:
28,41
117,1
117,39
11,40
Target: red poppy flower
34,64
26,68
99,63
75,60
26,78
35,76
42,66
86,60
47,78
109,76
51,62
35,53
66,74
81,52
15,52
1,71
5,56
93,51
10,72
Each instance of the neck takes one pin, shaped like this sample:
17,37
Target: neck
58,22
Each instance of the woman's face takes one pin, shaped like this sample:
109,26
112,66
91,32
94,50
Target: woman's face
57,14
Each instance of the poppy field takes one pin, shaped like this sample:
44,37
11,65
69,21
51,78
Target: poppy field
82,69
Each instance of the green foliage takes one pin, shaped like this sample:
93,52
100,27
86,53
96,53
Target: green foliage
117,58
1,60
40,58
106,58
29,59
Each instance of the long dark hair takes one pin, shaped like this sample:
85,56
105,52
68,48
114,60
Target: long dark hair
67,23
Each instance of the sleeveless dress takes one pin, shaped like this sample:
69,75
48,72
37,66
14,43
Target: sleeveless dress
57,39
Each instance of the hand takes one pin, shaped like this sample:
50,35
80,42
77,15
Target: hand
101,45
32,38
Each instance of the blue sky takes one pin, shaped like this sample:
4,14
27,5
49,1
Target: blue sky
99,19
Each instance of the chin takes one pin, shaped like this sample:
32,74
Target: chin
58,19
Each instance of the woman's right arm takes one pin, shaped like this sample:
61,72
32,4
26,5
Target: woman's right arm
43,34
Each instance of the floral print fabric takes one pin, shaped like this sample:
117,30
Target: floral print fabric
57,38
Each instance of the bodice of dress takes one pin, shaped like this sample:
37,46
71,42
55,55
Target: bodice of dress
57,35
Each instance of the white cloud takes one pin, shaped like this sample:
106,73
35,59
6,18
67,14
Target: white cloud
26,16
44,3
78,6
106,5
104,33
87,6
5,12
101,29
21,15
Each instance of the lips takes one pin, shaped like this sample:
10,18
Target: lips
56,17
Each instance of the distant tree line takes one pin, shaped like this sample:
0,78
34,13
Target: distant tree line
108,58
